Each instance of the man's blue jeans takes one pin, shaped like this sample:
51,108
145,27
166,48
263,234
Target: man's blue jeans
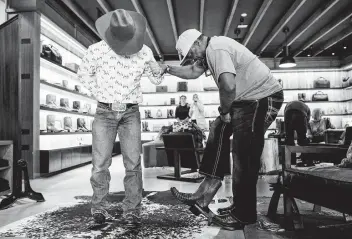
106,125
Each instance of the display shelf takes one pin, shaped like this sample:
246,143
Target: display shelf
4,168
3,193
43,82
5,142
173,118
212,91
63,133
6,152
57,66
64,111
144,106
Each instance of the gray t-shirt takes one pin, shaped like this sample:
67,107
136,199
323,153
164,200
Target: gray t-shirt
253,78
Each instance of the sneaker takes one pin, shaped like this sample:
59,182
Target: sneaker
131,219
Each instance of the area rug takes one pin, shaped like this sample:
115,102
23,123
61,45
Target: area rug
162,217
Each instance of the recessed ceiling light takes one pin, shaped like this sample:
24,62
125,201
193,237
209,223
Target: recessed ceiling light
345,47
244,14
308,55
333,54
242,26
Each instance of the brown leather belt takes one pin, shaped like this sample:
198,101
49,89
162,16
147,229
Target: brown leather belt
110,106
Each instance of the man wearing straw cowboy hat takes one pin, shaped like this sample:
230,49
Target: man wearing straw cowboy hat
112,70
250,98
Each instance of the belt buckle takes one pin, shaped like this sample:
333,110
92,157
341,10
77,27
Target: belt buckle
118,107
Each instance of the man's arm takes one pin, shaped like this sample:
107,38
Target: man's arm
227,90
152,69
185,72
86,71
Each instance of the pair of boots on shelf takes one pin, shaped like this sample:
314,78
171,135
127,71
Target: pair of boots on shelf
64,104
200,200
145,127
148,114
51,125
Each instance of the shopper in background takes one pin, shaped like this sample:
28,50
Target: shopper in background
111,70
297,115
318,126
250,99
196,112
182,110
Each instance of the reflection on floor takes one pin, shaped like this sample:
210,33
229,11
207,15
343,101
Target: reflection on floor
61,189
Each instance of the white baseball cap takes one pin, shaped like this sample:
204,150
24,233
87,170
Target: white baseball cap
185,42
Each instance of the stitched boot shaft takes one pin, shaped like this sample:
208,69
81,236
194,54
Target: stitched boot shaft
209,194
68,124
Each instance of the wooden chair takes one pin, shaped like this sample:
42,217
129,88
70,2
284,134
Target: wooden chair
181,148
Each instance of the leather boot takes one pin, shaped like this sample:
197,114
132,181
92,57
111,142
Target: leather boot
226,210
201,205
50,124
191,198
68,124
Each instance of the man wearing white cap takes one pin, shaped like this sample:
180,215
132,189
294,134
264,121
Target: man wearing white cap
112,70
250,98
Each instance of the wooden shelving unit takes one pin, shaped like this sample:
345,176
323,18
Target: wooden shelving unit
6,152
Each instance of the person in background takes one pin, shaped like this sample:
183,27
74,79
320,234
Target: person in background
296,117
182,111
318,126
111,70
196,112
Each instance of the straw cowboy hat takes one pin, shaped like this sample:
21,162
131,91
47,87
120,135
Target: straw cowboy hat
122,30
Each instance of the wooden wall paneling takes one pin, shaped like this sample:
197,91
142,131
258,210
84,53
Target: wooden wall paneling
44,161
9,85
29,36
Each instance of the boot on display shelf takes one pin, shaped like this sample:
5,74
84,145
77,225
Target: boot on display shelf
150,114
87,109
81,125
64,104
76,106
51,101
50,124
65,84
170,113
68,124
146,127
78,88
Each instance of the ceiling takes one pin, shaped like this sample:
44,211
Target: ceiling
316,27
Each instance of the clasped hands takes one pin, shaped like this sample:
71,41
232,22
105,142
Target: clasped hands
156,68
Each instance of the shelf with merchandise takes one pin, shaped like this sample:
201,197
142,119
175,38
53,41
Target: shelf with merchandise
46,85
63,133
53,32
60,110
54,65
171,119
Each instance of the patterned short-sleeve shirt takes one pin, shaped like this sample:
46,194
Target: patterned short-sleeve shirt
115,78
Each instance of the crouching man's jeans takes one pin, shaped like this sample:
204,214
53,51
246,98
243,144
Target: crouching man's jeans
250,120
106,125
